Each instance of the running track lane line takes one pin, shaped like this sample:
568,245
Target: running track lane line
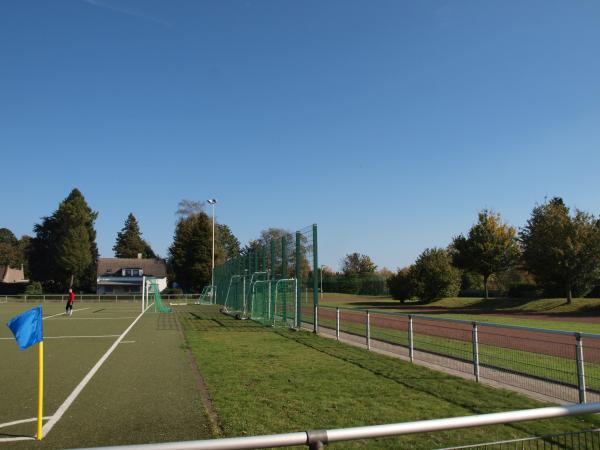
71,398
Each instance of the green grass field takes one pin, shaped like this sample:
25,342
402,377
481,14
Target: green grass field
271,381
261,380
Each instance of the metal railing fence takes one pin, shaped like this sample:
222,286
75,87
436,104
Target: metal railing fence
558,364
316,439
578,440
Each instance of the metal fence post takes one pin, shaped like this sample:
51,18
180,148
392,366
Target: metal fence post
580,369
337,323
368,330
475,352
298,271
284,274
316,330
315,271
411,349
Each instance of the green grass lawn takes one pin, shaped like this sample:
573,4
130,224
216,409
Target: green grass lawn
266,381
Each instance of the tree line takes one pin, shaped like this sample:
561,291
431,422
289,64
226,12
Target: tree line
63,253
556,253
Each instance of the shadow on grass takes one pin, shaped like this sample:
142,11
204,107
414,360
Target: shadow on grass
211,319
465,394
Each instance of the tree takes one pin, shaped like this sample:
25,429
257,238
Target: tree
7,237
434,275
129,241
491,247
356,264
187,208
63,251
229,244
191,252
402,284
9,249
562,250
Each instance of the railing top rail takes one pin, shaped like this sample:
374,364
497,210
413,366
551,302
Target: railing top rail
469,322
369,432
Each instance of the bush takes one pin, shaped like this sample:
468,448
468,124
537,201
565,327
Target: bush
435,276
524,290
172,291
401,285
34,288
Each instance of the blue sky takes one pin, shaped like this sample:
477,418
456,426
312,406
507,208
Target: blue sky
388,123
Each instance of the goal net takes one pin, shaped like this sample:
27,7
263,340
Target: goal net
153,298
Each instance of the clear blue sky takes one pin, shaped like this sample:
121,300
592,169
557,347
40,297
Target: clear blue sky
388,123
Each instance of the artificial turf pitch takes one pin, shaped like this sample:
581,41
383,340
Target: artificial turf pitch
144,392
261,380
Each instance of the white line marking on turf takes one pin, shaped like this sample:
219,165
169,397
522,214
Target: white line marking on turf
17,422
62,313
65,337
97,318
127,342
71,398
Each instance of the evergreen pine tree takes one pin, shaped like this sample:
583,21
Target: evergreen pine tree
129,241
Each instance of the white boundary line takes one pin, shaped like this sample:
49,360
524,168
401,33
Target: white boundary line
62,313
71,398
65,337
98,318
53,420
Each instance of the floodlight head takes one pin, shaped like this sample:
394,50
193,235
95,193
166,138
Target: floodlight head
212,201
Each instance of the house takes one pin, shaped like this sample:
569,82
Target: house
119,276
12,281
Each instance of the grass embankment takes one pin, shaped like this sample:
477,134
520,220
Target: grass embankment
559,314
270,381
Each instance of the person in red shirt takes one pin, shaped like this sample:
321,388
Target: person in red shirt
70,302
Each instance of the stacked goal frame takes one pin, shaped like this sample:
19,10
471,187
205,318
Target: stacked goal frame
274,283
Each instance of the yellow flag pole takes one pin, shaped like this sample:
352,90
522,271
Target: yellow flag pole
40,389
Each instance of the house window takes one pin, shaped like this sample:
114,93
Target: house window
132,272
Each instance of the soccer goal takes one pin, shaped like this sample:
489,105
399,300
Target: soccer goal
260,304
236,292
152,297
208,295
285,305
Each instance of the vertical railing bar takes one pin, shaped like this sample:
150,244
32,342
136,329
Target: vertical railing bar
411,349
337,323
475,342
580,369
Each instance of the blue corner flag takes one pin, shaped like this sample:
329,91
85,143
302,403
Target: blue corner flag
27,327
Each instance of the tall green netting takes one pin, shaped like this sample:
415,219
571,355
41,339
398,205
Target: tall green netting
154,291
261,308
274,281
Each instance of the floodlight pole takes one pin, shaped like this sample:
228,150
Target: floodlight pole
212,202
